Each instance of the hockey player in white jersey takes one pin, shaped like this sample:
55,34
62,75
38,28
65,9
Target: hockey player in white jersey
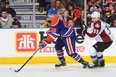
98,30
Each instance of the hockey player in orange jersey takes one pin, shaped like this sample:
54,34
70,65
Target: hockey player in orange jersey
66,33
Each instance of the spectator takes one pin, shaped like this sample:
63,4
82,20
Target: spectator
70,9
110,20
6,20
93,6
59,7
115,7
71,22
108,1
10,10
77,3
114,23
100,3
65,2
80,20
113,2
52,3
1,5
47,22
16,24
87,9
65,16
109,10
43,5
73,12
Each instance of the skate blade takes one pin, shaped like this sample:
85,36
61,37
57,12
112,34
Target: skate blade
60,67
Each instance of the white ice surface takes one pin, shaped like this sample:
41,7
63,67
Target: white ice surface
48,70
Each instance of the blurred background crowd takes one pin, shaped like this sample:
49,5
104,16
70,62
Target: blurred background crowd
73,11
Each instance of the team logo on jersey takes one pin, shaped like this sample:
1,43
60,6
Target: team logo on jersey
97,25
26,42
53,29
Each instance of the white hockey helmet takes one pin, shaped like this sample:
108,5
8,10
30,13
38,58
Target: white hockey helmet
95,14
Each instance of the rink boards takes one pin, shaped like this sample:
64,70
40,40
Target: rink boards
17,45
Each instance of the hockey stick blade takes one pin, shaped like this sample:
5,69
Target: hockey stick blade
25,62
13,70
17,70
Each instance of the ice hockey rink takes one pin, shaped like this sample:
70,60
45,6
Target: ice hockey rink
48,70
37,69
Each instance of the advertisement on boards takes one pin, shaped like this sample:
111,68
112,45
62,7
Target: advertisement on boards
21,42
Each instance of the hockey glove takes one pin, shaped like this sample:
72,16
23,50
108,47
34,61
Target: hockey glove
42,44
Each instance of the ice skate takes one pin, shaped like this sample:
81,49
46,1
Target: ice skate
102,63
85,64
62,63
94,65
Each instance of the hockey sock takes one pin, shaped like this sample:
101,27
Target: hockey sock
93,54
101,61
100,56
77,57
60,55
94,58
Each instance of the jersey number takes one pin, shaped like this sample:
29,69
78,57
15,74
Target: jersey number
95,31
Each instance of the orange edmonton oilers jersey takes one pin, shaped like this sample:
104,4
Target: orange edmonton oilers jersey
58,28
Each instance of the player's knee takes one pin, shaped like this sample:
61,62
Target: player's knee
56,48
99,48
59,51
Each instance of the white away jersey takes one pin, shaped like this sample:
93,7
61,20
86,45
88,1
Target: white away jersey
100,31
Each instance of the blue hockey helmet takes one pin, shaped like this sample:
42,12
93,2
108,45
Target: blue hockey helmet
52,11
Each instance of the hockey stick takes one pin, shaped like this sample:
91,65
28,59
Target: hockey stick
24,63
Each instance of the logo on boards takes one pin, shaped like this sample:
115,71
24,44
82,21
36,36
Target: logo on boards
26,42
